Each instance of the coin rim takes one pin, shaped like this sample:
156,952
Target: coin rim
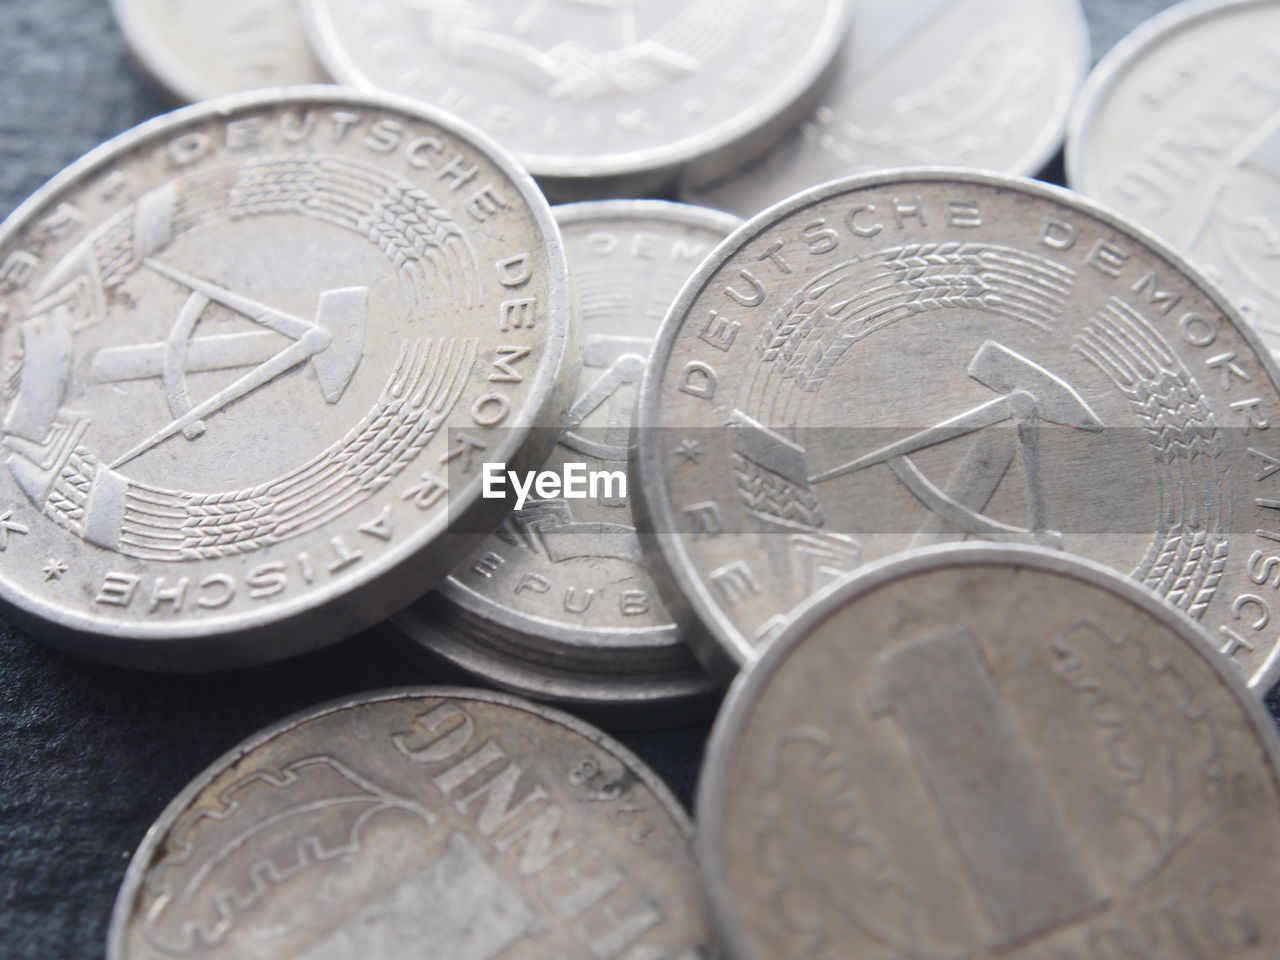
136,872
453,592
711,801
713,141
164,69
256,636
633,700
1038,155
1100,86
717,642
630,701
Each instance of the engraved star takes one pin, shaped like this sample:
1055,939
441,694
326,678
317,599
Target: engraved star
689,450
54,569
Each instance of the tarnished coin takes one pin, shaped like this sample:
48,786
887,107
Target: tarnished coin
929,355
596,96
559,603
981,752
198,49
433,823
968,83
254,353
1179,128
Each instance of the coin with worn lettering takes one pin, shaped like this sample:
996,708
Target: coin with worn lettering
596,97
198,50
430,823
974,83
559,603
930,355
1179,128
986,751
253,355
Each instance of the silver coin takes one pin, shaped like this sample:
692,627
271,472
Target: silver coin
966,83
433,823
980,752
928,355
254,353
596,97
559,603
198,50
1179,128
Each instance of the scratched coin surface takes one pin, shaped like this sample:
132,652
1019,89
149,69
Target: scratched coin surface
253,355
197,50
966,83
1179,128
619,91
559,603
430,823
929,355
981,752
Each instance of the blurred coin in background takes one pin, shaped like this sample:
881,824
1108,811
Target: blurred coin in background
929,355
1179,128
201,49
987,752
256,353
559,603
423,824
973,83
596,97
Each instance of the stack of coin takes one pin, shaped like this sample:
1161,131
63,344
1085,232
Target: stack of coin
559,603
966,482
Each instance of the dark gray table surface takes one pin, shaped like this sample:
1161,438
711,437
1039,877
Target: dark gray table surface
90,755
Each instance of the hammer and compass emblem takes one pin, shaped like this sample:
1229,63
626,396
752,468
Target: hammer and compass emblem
332,343
623,361
1007,427
549,526
220,342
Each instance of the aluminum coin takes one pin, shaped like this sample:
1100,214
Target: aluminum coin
253,356
198,50
926,355
596,97
433,823
981,752
1179,128
558,605
974,83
